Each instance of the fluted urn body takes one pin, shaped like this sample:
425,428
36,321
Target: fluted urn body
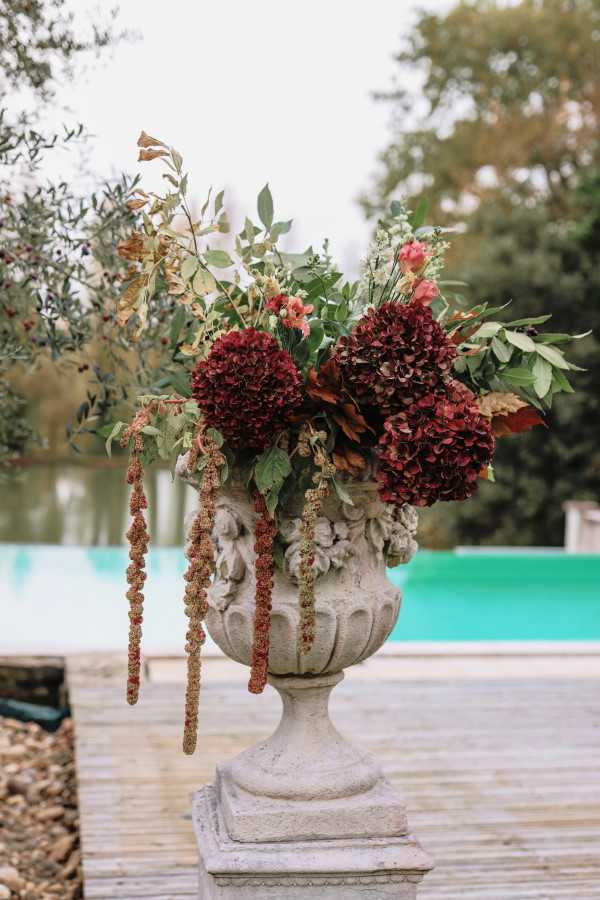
307,781
356,606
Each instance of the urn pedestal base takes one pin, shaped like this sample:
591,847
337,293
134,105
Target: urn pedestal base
341,869
304,812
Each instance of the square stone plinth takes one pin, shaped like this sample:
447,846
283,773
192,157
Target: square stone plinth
347,869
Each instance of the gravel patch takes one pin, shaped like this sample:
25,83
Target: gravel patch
39,824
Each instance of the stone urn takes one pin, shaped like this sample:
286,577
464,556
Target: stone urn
306,809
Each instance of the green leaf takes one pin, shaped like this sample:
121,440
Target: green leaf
204,282
501,350
177,323
542,372
265,207
150,429
553,355
280,228
520,340
560,338
317,333
560,382
180,383
487,330
418,217
218,258
532,320
188,267
219,202
271,469
518,376
396,208
114,432
342,492
216,436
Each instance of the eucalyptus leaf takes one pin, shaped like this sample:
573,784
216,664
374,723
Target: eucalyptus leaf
265,207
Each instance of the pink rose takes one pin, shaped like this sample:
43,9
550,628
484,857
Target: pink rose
412,256
425,291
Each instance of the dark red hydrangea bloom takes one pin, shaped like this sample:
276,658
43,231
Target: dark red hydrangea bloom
435,449
247,388
396,354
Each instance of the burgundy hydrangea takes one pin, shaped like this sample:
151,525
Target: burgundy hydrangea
247,388
396,355
435,449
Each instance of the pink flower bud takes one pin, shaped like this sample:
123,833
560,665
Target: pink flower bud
425,291
412,256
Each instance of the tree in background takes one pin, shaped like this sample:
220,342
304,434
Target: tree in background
502,99
549,267
60,275
505,144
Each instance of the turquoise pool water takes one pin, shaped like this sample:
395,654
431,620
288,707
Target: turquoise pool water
499,597
57,599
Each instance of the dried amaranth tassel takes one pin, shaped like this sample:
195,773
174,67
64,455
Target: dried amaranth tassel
263,547
313,500
200,553
138,538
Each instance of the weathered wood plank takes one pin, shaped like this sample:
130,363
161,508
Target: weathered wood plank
501,775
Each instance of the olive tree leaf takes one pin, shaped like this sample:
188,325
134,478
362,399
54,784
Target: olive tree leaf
114,433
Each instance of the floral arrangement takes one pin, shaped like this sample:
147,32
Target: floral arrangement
286,378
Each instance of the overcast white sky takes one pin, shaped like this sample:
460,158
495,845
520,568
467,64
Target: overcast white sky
253,91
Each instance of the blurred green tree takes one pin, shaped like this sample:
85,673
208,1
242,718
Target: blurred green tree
493,98
547,267
495,120
60,275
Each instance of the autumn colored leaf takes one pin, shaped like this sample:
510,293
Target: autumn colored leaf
350,421
151,154
132,248
523,419
325,384
146,140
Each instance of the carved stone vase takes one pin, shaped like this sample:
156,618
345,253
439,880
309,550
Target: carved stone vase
306,810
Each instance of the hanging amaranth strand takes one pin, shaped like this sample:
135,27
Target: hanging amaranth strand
200,553
265,532
313,500
138,538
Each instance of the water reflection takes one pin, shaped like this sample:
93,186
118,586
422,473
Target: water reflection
83,506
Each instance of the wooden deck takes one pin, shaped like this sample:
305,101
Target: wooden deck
501,774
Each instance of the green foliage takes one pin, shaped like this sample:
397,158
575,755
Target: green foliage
500,82
554,267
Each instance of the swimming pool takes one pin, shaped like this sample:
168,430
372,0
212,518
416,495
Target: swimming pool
56,599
